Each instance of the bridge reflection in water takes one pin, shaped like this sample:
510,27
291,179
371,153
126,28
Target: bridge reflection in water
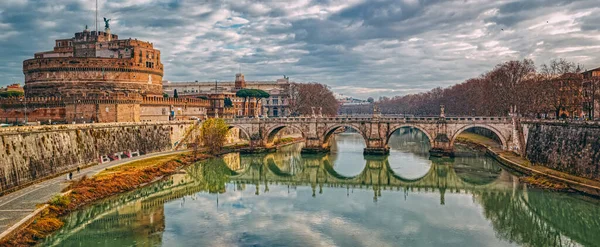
318,172
517,214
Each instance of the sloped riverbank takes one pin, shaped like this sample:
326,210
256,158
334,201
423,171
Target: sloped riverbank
537,175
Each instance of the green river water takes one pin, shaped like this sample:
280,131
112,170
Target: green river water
340,199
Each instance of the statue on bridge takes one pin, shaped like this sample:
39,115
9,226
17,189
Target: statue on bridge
442,113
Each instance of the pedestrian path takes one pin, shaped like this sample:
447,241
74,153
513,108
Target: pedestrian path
17,205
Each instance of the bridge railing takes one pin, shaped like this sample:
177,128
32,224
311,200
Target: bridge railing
363,118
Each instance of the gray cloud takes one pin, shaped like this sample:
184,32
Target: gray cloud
359,48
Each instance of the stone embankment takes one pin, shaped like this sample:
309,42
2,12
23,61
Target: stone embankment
537,174
30,154
572,148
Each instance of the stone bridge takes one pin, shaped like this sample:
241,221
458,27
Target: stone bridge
376,130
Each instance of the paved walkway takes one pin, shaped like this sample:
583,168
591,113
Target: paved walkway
18,204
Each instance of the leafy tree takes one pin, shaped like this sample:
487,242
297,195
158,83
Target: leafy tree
165,95
175,95
257,94
228,103
213,134
252,93
9,94
370,100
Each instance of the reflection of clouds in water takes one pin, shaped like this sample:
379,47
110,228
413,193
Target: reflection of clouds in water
408,165
347,154
279,218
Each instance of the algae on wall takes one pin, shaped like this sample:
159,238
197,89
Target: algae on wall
574,149
29,156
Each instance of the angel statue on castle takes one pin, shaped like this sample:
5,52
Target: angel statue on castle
106,25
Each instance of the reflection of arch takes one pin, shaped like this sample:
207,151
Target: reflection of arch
497,132
331,171
329,132
272,132
409,126
272,166
409,180
231,126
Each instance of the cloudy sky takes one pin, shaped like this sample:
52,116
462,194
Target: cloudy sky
360,48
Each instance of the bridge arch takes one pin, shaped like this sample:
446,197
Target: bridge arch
242,129
504,142
331,130
395,128
272,132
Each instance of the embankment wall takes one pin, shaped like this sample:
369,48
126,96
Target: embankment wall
573,148
33,153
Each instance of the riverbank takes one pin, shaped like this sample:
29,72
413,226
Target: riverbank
535,175
104,182
88,190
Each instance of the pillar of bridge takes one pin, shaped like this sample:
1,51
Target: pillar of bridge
441,144
376,150
314,145
375,138
441,147
257,144
315,142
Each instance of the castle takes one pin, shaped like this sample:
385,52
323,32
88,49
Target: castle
94,63
96,77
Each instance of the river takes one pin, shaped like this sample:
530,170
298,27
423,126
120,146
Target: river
340,199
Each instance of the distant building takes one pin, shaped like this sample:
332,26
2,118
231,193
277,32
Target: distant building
277,105
591,95
12,88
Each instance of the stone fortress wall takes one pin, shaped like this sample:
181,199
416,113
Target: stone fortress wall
103,109
35,152
72,75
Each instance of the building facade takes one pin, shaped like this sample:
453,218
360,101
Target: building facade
591,95
277,105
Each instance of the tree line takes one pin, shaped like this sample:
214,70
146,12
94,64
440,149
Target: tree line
557,89
11,94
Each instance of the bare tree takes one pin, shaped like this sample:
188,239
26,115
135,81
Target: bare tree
304,96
